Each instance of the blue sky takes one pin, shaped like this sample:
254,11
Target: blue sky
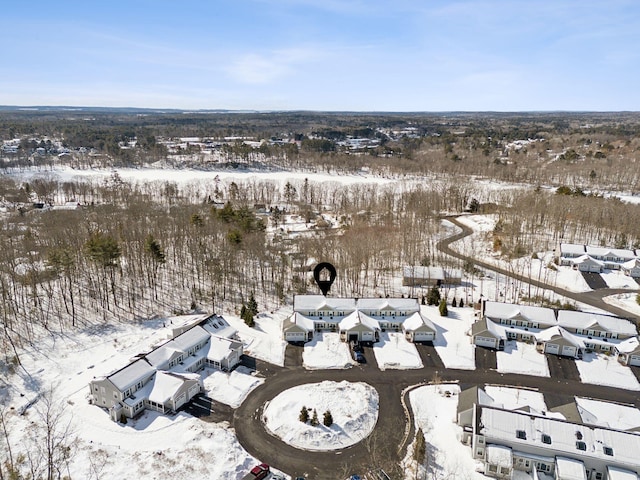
365,55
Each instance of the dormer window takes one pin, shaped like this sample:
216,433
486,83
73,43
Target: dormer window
546,439
521,434
581,446
608,451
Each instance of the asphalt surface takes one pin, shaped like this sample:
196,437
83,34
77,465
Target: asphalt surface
594,280
394,430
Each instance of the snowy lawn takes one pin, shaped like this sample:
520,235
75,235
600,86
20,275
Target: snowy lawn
230,388
435,414
395,352
601,369
452,342
570,279
353,408
617,279
326,351
264,341
627,301
523,358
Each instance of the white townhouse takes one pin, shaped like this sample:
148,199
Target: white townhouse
629,351
356,319
598,332
508,441
588,258
520,322
166,378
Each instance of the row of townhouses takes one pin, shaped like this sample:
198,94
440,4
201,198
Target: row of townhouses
587,258
559,332
359,319
167,377
525,443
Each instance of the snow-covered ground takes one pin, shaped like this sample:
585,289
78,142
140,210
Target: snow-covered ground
610,415
230,388
393,351
513,398
435,413
353,408
326,351
627,301
600,369
264,341
617,279
523,358
452,343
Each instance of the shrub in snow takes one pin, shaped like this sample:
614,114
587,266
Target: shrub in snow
444,311
304,415
314,419
328,419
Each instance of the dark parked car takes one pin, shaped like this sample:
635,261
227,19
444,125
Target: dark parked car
258,472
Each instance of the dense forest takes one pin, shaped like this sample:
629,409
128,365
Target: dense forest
129,251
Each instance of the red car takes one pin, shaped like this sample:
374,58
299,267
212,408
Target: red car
260,471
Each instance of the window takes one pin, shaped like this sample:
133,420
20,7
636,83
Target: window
598,476
493,468
546,439
581,446
521,434
608,451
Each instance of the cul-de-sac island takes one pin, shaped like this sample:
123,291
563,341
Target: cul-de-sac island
319,296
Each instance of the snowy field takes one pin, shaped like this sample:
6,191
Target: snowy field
353,408
605,370
393,351
264,341
610,415
452,343
522,358
617,279
326,350
435,414
513,398
626,301
230,388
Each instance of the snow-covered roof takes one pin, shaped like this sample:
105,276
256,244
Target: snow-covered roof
163,354
358,318
183,320
572,249
398,304
416,321
576,319
190,338
320,302
586,259
499,455
165,386
431,273
606,252
217,325
570,469
302,321
131,374
485,325
513,311
501,425
615,473
219,348
633,263
554,333
629,345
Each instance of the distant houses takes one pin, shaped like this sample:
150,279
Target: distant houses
357,319
559,332
166,377
587,258
419,276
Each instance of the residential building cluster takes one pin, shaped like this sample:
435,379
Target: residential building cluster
166,378
560,332
357,319
587,258
565,443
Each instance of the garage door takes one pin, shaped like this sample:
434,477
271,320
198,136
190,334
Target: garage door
486,342
367,336
181,400
568,351
296,336
552,348
422,336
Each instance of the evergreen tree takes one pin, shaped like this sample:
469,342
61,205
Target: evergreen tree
304,415
314,419
454,303
444,311
461,304
433,296
420,449
328,419
252,305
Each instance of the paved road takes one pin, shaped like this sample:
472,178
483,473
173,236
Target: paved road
387,443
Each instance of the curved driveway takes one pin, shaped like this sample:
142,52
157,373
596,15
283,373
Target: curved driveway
386,445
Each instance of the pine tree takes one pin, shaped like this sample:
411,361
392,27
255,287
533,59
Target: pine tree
328,419
304,415
252,305
314,419
444,311
433,296
461,304
454,303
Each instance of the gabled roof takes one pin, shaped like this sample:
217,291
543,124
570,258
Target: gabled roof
163,354
217,325
219,348
320,302
358,318
560,335
577,319
604,252
300,321
190,338
588,260
131,374
629,346
633,263
397,304
486,326
474,395
572,248
500,310
418,321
